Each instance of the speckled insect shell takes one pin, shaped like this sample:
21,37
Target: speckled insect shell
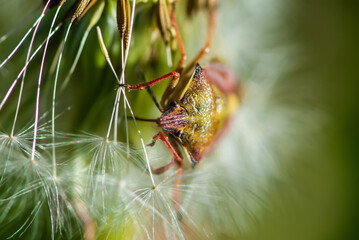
197,116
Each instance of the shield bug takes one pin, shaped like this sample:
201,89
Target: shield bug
195,109
196,106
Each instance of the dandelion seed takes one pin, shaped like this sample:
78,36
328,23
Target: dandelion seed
24,68
21,41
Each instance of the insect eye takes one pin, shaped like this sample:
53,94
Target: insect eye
178,133
174,104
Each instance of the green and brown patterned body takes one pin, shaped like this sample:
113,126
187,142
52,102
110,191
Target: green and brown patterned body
196,112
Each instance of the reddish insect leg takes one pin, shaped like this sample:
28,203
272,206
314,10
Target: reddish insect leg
168,144
178,159
212,16
182,62
143,86
164,168
177,190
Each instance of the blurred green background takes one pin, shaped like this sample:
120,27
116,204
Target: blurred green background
299,62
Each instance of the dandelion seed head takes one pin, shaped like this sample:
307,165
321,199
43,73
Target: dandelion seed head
33,187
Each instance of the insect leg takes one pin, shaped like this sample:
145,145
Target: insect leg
178,159
182,62
143,86
164,168
142,76
212,16
177,190
168,144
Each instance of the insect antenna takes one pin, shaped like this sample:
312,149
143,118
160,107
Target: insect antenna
143,78
142,119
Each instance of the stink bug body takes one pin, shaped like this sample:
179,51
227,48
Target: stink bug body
196,106
195,109
196,112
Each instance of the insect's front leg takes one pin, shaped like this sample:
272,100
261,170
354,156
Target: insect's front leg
164,168
177,191
178,159
182,62
164,139
143,86
212,18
